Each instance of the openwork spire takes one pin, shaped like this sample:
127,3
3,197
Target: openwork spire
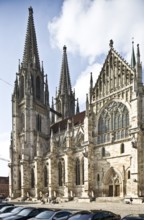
65,98
65,83
31,56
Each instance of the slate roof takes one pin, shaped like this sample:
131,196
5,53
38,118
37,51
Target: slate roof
62,125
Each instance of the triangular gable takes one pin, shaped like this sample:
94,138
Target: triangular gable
115,73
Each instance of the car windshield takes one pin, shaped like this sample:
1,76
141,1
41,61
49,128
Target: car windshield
25,212
45,214
17,210
4,208
80,216
136,216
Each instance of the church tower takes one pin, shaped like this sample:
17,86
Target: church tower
65,98
30,120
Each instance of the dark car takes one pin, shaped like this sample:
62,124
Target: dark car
6,209
26,213
52,214
15,211
5,204
134,216
94,215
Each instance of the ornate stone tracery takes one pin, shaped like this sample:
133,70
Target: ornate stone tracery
114,122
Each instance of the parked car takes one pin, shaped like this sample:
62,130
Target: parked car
6,209
5,204
15,211
26,213
94,215
52,214
134,217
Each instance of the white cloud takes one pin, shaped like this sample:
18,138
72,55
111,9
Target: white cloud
86,26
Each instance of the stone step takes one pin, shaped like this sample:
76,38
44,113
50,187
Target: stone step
109,199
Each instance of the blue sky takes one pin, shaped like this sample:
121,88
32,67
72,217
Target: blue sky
84,26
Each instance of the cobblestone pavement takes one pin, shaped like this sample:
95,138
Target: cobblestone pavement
119,207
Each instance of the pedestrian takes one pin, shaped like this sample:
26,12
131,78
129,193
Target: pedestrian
131,200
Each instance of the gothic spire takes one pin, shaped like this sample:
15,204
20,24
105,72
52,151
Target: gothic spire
133,60
31,56
65,83
65,98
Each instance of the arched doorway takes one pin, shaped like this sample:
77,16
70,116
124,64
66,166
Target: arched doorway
112,183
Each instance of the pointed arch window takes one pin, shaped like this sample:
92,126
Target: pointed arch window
32,178
45,177
122,150
22,86
98,178
22,121
60,173
103,152
38,87
82,170
19,183
77,172
129,174
38,122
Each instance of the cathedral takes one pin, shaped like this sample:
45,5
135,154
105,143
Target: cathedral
58,150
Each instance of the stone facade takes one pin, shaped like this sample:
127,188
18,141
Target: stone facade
66,153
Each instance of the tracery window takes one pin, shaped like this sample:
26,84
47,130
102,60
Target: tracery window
77,172
113,122
32,178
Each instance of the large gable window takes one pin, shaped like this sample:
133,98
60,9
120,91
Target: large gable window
113,122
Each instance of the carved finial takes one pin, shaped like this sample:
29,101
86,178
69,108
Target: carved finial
138,51
64,47
133,60
30,9
111,43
